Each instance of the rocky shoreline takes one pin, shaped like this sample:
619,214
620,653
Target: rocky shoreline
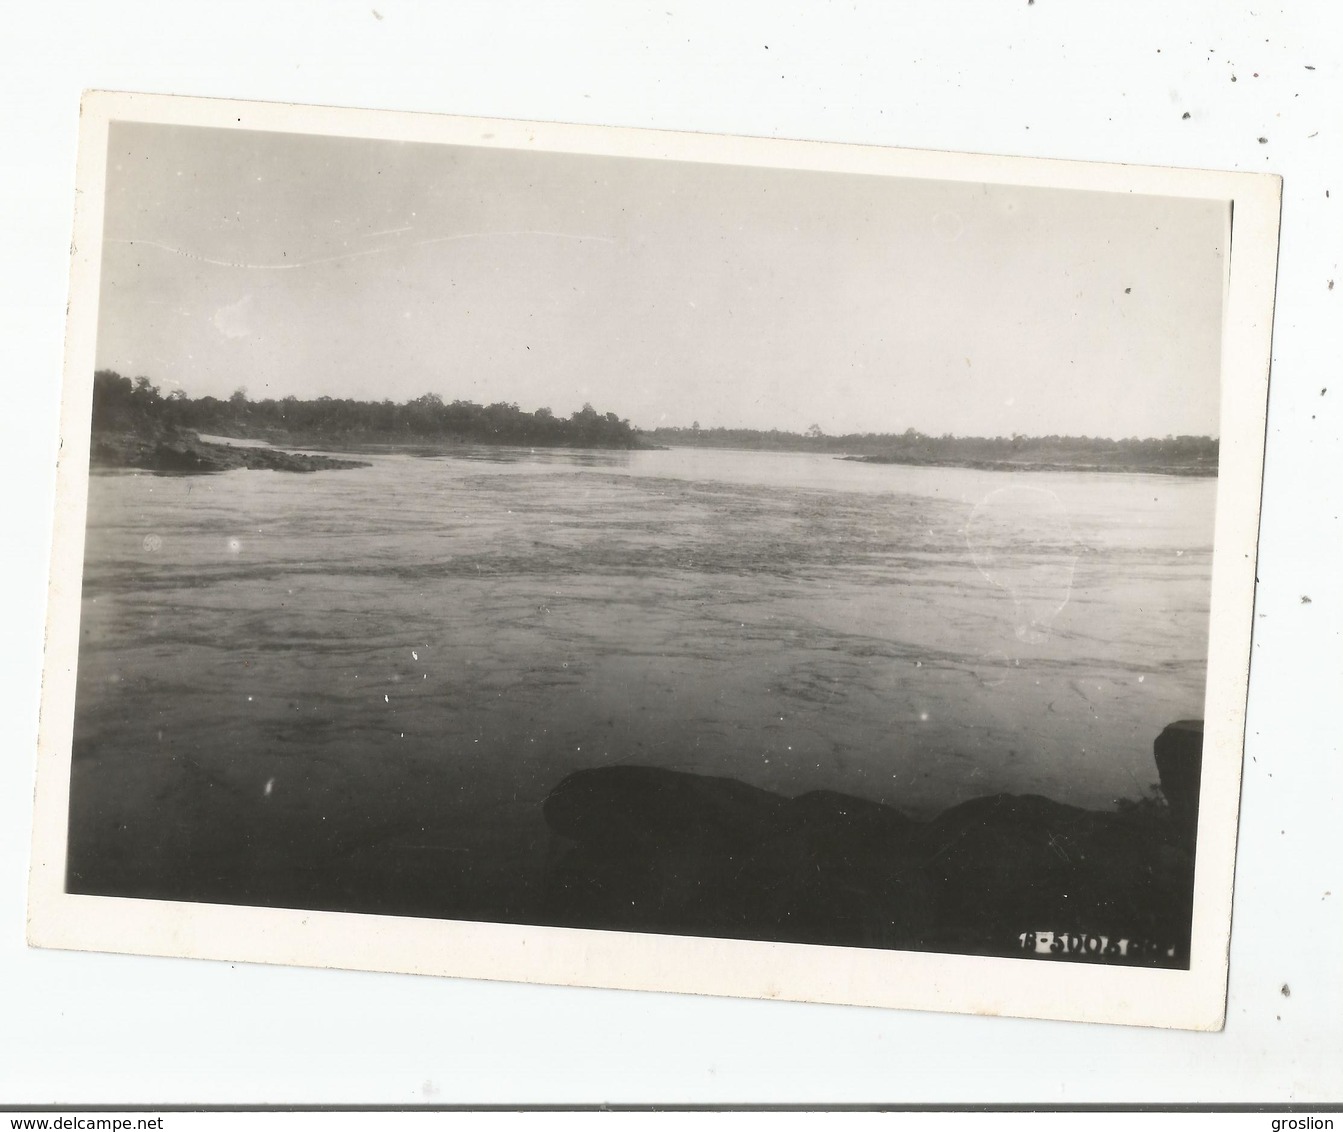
186,454
647,849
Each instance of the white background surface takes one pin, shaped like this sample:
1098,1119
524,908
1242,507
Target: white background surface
1048,79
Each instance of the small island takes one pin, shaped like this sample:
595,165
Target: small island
136,426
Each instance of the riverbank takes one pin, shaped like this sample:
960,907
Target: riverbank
1118,467
375,445
640,848
184,453
1168,456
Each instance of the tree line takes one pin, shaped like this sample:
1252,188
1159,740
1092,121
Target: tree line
137,406
127,406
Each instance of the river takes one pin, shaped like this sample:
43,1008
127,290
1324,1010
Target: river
355,688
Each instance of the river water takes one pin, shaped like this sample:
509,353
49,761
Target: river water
355,688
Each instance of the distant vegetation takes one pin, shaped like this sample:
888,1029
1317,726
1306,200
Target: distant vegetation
133,420
122,406
1170,455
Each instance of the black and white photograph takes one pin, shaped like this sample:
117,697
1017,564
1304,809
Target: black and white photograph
815,553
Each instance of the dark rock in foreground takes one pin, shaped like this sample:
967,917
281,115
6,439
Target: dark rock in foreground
1179,761
187,454
647,849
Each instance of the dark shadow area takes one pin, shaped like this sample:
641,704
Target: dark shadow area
645,849
654,850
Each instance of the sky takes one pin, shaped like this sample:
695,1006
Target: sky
666,292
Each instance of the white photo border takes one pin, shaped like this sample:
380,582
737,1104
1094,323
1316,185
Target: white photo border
1186,999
